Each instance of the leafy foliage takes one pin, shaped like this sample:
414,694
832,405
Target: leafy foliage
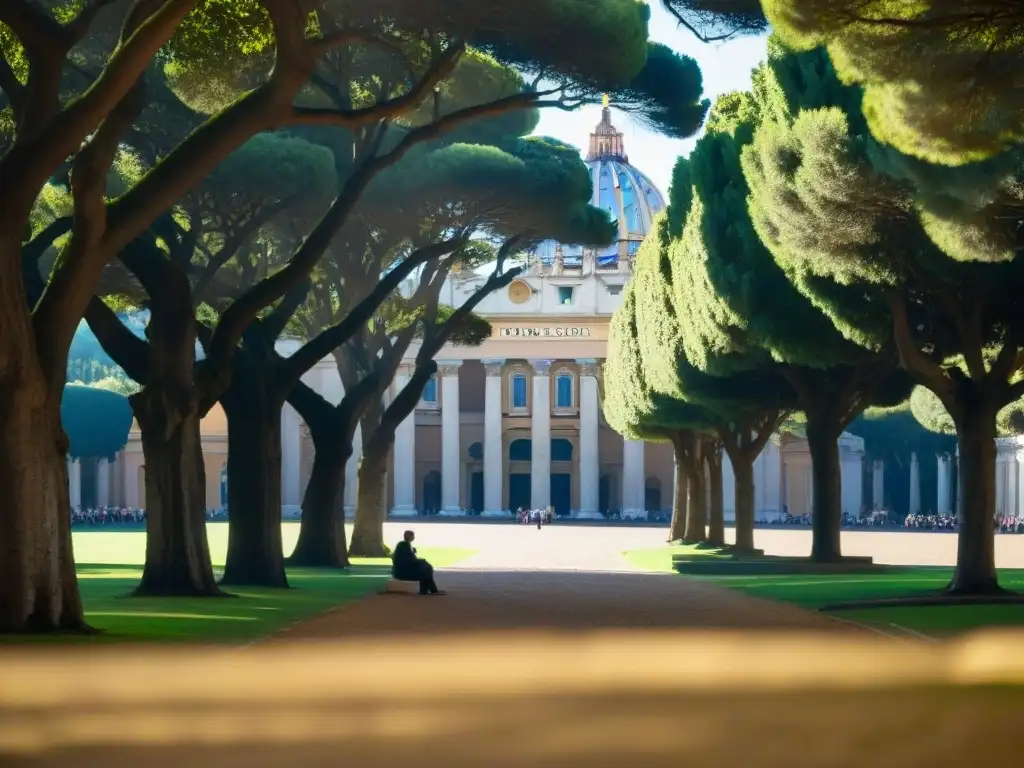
942,77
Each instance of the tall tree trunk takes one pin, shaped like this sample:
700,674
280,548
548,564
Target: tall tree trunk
321,541
255,551
975,572
696,508
677,531
743,472
38,586
177,550
827,494
371,496
716,510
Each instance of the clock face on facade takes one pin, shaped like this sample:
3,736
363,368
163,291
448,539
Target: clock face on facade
519,292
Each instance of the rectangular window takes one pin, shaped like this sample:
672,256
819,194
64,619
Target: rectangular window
565,294
518,391
614,290
563,391
430,391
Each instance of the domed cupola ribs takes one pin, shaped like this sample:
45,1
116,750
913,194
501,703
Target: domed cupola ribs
627,194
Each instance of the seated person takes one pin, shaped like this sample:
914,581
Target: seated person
406,566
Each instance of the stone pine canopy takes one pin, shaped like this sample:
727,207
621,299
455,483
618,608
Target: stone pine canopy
96,421
629,197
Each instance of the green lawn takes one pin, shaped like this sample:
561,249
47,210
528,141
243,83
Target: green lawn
109,567
128,547
659,559
815,591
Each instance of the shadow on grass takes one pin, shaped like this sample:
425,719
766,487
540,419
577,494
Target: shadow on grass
256,613
728,561
879,587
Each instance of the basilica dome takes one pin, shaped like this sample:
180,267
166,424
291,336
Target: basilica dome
628,195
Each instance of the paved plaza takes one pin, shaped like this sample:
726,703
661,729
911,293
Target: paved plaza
574,578
598,548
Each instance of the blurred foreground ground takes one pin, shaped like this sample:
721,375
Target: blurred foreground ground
640,698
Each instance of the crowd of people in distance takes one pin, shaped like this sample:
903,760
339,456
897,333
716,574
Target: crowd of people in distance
537,517
1010,524
930,522
88,517
881,518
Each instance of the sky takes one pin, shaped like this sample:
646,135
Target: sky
725,67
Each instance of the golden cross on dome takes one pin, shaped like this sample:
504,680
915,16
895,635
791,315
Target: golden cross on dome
606,101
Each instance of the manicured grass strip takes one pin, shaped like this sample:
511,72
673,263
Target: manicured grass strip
937,621
110,567
660,559
812,592
128,547
252,614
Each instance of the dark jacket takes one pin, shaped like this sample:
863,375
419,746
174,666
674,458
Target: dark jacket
405,566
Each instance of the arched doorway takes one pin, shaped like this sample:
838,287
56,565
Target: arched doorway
652,494
432,492
520,452
561,475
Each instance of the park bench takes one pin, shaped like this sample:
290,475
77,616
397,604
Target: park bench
398,587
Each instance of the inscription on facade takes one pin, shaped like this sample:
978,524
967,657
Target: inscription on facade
545,332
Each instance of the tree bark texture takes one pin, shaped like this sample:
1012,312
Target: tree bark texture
827,494
38,586
743,472
371,496
696,508
680,492
321,541
716,500
255,551
975,572
177,549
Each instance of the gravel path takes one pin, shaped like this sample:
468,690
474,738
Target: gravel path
559,579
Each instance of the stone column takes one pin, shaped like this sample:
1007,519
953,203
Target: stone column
768,482
1019,509
76,488
1012,502
352,473
451,464
590,469
102,483
633,478
291,472
852,477
943,499
728,490
915,485
494,476
404,476
954,491
75,482
540,428
878,485
131,482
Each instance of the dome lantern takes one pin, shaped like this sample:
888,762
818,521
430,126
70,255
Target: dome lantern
628,196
